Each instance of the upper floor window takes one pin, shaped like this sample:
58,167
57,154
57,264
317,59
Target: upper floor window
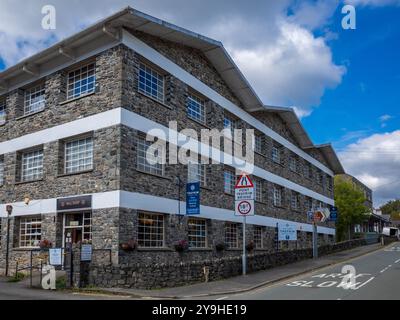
230,123
2,111
294,201
258,143
151,230
231,235
320,177
151,82
32,165
81,81
309,204
258,190
276,154
30,232
34,99
196,108
144,146
277,196
330,184
197,233
1,171
229,182
197,173
293,164
79,155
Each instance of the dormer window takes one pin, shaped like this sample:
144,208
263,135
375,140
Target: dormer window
81,81
35,100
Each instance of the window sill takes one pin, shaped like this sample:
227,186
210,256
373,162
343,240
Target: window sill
74,173
155,249
26,249
77,98
200,249
155,100
153,174
199,122
29,115
30,181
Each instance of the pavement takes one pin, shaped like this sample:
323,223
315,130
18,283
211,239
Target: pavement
240,285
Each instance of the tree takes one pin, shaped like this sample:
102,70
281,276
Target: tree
349,200
392,208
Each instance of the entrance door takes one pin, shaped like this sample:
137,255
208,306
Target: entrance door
77,227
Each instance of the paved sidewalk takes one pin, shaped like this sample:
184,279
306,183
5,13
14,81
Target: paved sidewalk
249,282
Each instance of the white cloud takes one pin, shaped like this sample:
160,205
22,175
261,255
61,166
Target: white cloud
375,161
384,119
278,53
373,3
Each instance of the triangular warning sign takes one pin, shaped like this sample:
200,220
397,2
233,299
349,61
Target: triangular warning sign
244,182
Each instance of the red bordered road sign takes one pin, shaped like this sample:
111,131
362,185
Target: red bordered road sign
244,208
244,182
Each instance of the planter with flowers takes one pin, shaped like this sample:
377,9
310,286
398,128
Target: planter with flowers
45,244
181,246
250,246
130,245
220,247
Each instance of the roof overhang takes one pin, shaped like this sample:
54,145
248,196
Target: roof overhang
331,157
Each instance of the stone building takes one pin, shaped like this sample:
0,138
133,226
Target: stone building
361,186
73,120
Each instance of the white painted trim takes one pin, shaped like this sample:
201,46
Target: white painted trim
132,200
155,57
135,121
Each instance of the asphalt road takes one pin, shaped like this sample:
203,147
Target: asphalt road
372,276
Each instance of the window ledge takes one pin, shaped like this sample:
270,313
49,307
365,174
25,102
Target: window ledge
155,100
200,249
30,181
199,122
155,249
74,173
29,115
153,174
26,249
77,98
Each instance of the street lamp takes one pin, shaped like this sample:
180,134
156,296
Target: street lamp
9,210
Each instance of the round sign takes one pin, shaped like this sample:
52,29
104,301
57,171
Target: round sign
244,207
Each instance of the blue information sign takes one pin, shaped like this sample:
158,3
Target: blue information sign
334,214
193,198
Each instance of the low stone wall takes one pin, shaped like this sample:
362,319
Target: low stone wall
158,275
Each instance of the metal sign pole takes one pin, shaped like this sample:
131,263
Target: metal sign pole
244,262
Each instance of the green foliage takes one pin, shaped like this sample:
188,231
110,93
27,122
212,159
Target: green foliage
17,277
349,200
393,208
61,283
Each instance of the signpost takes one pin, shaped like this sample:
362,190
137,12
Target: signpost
333,214
287,231
320,215
86,252
55,256
244,206
193,198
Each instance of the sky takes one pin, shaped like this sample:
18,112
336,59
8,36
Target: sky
343,83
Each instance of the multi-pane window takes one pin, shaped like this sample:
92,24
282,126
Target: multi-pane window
258,190
196,109
151,82
231,235
153,167
229,182
294,201
150,230
293,164
197,173
79,155
309,204
2,111
258,241
81,81
230,123
276,154
320,177
258,145
87,226
1,171
35,100
30,232
32,165
197,233
277,196
330,185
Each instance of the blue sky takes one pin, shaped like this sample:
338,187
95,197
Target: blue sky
342,83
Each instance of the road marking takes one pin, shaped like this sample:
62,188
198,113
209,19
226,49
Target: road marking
356,288
397,261
222,298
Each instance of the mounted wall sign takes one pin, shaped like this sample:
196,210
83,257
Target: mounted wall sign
74,203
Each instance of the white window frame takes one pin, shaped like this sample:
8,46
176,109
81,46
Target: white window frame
229,186
293,164
35,159
3,111
197,233
294,201
32,239
277,197
35,99
231,235
258,190
80,152
82,79
148,74
197,172
276,154
258,143
142,164
196,108
148,240
258,237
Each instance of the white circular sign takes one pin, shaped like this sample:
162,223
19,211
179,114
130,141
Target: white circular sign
244,207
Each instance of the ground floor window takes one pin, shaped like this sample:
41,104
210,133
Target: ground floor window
30,232
231,235
197,233
150,230
258,241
